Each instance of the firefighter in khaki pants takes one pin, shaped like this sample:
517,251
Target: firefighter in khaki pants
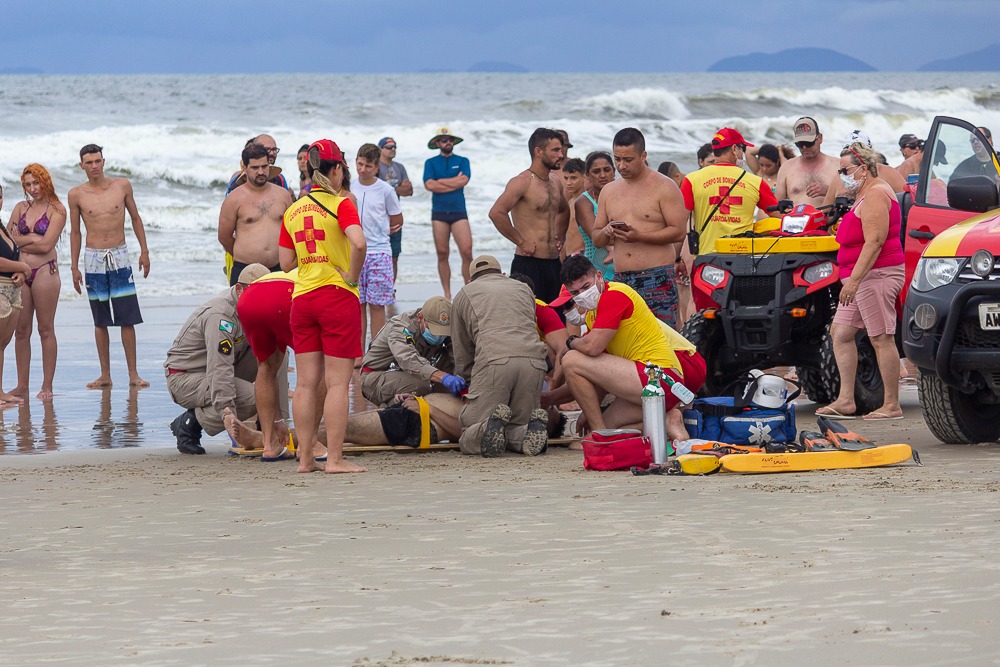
497,348
210,367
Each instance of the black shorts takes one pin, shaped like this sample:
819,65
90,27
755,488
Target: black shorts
238,267
449,217
544,273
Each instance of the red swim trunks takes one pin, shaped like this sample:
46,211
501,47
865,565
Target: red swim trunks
695,370
327,320
264,310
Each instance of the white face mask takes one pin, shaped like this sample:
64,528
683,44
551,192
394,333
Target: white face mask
741,160
588,298
575,317
848,181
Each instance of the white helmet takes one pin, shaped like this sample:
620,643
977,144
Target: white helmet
772,392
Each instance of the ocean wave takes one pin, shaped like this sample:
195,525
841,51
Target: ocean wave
639,103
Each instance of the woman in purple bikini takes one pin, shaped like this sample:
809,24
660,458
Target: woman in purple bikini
36,224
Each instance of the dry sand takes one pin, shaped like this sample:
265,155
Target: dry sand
146,557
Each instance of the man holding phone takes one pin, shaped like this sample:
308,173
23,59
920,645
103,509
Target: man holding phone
643,214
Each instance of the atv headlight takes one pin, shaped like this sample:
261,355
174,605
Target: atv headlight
933,272
794,224
713,275
818,272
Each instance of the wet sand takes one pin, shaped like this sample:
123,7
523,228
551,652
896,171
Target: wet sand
118,550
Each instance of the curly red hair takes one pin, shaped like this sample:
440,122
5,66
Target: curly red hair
44,180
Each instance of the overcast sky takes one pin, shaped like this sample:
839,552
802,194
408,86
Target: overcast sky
200,36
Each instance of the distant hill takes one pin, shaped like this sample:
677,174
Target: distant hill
793,60
496,66
20,70
983,60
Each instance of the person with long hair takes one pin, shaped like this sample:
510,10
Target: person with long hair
13,271
36,224
600,170
322,235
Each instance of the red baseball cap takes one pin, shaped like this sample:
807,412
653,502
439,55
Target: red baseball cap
328,150
727,137
563,297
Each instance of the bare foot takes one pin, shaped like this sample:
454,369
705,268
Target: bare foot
837,409
19,391
342,465
100,383
578,446
10,398
45,394
312,467
242,435
138,382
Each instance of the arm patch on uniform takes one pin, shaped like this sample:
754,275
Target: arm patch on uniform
226,326
225,347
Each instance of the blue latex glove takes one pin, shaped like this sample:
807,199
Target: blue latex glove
454,384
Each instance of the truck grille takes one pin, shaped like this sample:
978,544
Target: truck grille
971,336
754,290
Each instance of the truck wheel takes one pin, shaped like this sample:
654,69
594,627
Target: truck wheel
706,336
822,383
869,392
954,417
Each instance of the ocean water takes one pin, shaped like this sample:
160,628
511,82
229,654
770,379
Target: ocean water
178,138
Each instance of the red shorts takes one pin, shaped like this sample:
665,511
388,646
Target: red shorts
694,368
264,310
327,320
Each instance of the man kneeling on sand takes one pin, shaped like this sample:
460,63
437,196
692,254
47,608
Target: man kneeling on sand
408,422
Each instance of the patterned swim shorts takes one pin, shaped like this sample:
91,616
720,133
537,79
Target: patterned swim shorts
375,286
658,288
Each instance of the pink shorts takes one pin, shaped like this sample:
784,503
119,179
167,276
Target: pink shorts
695,370
874,306
327,320
375,285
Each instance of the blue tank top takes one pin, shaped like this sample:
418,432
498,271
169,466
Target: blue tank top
593,253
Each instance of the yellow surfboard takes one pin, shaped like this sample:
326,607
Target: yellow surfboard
826,460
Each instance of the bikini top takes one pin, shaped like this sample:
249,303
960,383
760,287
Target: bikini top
8,249
40,227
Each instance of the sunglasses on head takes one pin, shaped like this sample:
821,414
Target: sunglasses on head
805,144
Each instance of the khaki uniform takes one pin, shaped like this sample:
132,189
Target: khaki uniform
401,361
497,350
218,367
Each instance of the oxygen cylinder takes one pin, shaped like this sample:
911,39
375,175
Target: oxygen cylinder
654,414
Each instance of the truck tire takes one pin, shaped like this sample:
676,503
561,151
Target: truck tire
954,417
869,391
706,336
822,383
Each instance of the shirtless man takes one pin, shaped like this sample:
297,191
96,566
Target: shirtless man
275,176
102,202
643,214
536,202
912,149
250,219
805,179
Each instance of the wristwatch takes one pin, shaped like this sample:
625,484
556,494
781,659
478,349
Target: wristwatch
569,342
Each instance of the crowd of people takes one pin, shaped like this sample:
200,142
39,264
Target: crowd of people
598,287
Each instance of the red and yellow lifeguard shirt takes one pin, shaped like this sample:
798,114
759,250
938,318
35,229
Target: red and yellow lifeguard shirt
705,188
639,336
546,319
319,241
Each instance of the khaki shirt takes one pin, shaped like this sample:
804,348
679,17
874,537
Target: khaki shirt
399,344
212,342
493,319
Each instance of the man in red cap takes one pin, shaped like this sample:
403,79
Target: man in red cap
723,197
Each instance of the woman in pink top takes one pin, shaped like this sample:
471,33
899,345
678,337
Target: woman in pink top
871,268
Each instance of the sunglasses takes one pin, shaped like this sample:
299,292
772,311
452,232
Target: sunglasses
273,151
910,146
806,144
843,171
390,147
446,140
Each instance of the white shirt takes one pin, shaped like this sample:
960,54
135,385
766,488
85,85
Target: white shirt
376,202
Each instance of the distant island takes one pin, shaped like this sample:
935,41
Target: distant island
983,60
497,66
793,60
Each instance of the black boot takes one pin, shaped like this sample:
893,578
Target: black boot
188,432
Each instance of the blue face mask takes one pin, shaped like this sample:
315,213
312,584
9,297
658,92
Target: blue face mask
432,339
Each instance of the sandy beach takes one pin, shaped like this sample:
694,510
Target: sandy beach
142,556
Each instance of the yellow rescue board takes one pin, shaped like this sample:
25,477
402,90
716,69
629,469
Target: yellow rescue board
777,244
827,460
698,464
